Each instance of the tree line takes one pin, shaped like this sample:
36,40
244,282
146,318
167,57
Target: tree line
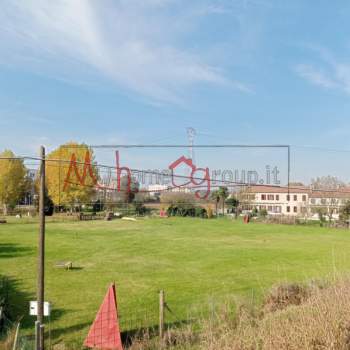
15,181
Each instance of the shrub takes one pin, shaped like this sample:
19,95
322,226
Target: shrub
255,212
140,208
181,210
285,295
210,213
263,213
345,212
97,206
184,209
49,206
200,212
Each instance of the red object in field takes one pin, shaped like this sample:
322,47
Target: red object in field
104,332
162,214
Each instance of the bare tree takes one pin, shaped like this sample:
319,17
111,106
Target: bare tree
327,183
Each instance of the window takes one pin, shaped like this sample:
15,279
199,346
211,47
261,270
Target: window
288,197
313,201
288,209
295,209
263,197
269,208
295,197
277,197
270,197
276,209
304,198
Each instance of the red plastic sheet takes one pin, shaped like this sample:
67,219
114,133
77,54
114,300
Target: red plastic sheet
104,333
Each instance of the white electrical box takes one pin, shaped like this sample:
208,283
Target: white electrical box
33,308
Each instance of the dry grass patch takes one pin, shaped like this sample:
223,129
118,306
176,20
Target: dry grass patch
6,343
293,317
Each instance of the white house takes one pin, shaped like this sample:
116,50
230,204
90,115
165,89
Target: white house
294,201
329,201
276,200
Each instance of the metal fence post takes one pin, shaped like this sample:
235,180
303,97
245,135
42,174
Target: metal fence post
37,335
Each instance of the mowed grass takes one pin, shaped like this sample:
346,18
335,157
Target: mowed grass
195,261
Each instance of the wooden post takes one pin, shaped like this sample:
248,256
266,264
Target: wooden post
41,252
16,337
161,314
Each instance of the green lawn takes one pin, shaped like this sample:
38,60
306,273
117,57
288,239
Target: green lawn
195,261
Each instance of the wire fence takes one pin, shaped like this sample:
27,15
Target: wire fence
143,317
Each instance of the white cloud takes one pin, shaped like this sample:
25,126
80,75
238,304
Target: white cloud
329,72
315,76
130,43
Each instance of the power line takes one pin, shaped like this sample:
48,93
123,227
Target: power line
181,146
322,149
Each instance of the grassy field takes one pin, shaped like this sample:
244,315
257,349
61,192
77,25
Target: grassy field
195,261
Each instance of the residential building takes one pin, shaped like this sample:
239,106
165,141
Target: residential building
276,200
330,202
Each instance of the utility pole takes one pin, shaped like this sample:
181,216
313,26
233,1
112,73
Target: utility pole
191,133
41,255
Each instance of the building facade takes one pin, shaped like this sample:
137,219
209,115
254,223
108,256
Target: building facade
294,201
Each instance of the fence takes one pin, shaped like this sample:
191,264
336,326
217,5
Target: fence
154,315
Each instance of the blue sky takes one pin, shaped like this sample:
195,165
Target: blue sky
141,71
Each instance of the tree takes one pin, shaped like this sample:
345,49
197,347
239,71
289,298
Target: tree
179,203
233,203
142,196
223,194
215,196
63,182
321,211
263,213
327,183
345,212
128,190
48,202
177,198
13,180
140,208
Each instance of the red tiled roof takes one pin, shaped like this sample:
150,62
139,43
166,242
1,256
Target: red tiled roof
329,194
344,193
276,189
